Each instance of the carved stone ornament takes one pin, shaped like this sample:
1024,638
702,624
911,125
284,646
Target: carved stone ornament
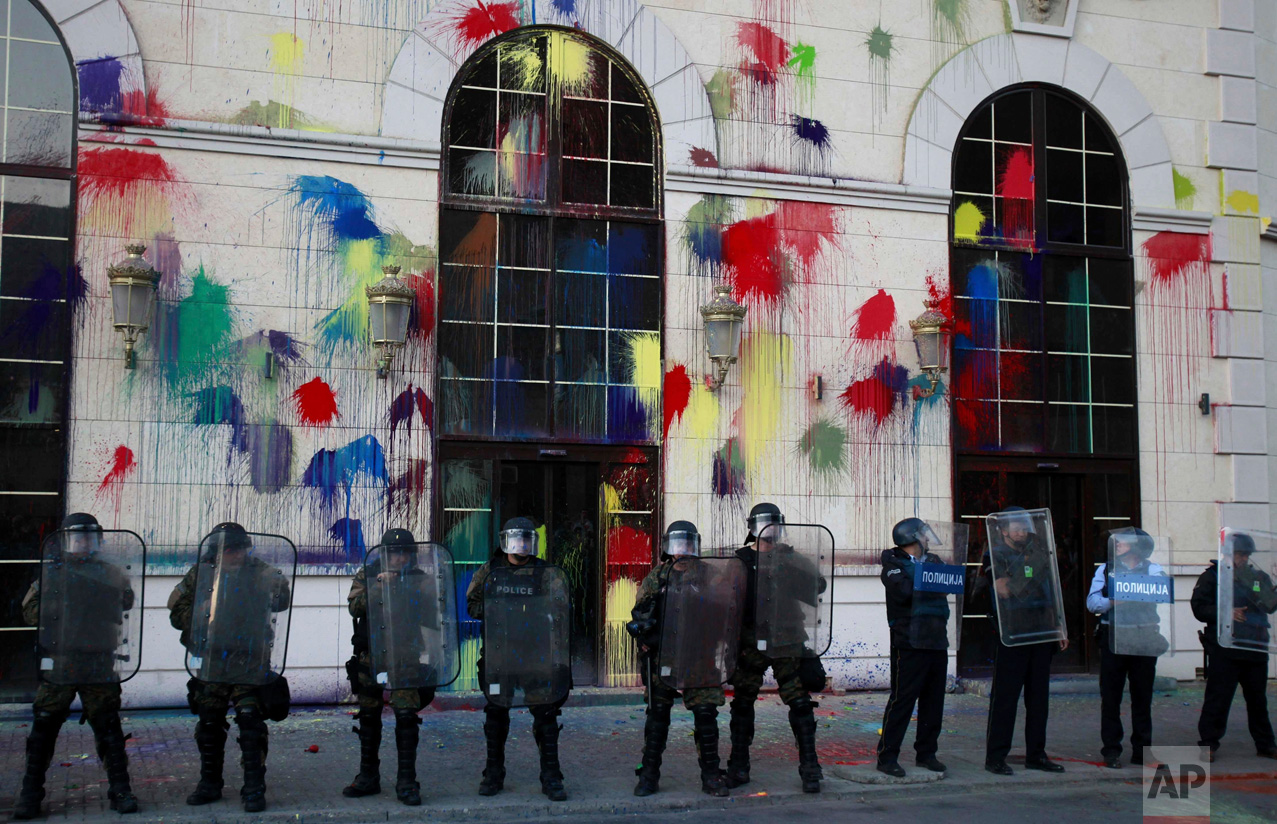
1050,17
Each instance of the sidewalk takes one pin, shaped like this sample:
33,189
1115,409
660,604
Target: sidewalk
600,746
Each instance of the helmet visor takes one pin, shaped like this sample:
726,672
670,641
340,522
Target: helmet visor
928,537
757,523
682,543
519,541
82,542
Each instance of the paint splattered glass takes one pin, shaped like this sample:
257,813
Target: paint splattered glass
549,319
1042,282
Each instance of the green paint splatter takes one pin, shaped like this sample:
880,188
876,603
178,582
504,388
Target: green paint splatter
824,444
948,29
1185,189
721,89
952,11
803,61
879,43
205,327
409,256
273,115
968,220
1008,25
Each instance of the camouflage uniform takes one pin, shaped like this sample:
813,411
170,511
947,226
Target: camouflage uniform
496,726
659,692
210,701
362,683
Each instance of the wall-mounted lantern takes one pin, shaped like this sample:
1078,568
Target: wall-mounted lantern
932,335
724,319
389,304
133,284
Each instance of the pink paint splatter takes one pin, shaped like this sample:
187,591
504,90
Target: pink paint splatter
807,227
678,391
770,51
122,466
316,403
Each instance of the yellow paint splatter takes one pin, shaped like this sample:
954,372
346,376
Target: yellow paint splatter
522,66
702,413
620,655
1242,201
765,361
287,53
611,503
645,359
968,220
542,544
572,67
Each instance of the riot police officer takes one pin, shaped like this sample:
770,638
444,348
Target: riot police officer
680,549
917,673
100,694
228,547
796,677
1254,599
1131,551
518,549
398,558
1023,668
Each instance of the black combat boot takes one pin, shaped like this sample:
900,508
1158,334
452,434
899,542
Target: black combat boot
252,748
742,733
495,730
802,718
655,733
407,733
546,732
110,741
44,734
368,781
210,740
705,721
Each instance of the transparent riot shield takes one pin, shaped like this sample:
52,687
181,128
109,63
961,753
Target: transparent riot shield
1247,590
412,616
701,614
527,624
91,589
1142,592
793,608
1027,597
939,581
242,609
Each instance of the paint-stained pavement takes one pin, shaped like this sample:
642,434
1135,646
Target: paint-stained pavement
600,745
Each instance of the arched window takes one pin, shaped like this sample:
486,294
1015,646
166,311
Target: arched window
1044,368
1042,281
37,286
550,245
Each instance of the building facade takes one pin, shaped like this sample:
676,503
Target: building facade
1084,186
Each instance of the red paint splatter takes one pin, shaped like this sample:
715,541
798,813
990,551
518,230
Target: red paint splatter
807,227
1015,186
870,397
752,255
106,170
122,465
483,21
408,402
1171,254
633,455
875,319
421,322
627,545
316,403
678,391
703,158
769,49
940,292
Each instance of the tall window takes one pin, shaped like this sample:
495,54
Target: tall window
1042,281
37,191
550,245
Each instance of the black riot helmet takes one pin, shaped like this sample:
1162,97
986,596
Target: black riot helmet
519,537
909,531
681,540
1242,544
81,521
1139,541
760,517
398,540
230,535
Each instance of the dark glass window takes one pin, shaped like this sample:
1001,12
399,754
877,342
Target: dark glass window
549,246
1042,281
37,286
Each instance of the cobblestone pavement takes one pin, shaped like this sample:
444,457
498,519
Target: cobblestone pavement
600,746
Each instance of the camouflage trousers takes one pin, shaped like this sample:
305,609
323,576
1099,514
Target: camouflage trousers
204,697
370,693
752,664
98,699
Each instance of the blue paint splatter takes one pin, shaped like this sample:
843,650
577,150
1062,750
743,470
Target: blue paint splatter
626,415
333,469
408,402
896,379
811,132
349,532
270,462
338,211
100,86
219,405
564,8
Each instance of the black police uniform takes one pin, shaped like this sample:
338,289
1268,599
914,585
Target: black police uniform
1020,669
1226,668
917,675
